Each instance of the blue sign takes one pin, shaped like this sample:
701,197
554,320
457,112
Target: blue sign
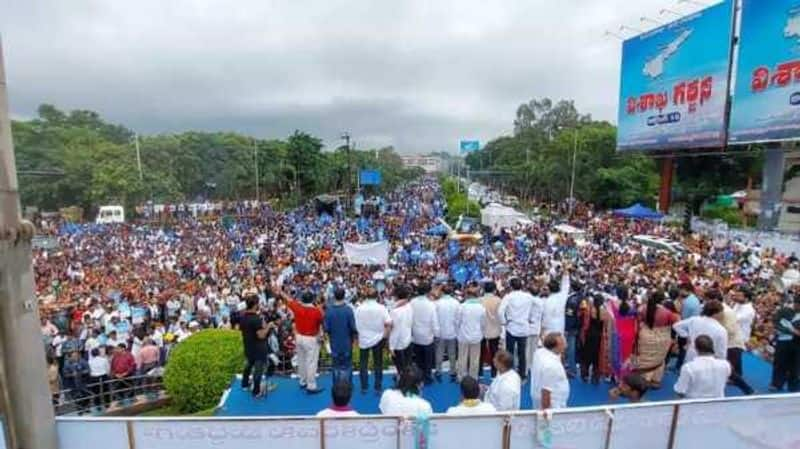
674,83
369,177
766,100
468,146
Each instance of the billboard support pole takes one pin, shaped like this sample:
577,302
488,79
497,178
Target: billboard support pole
771,186
24,391
665,190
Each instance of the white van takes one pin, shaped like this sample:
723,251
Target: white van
110,214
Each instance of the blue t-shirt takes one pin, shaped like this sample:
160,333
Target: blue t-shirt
691,307
340,324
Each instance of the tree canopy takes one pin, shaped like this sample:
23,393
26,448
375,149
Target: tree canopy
99,164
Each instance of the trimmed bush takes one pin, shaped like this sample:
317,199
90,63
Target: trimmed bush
201,368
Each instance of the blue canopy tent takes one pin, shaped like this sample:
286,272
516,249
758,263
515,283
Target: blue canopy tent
638,211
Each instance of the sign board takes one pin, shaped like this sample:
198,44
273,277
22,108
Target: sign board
369,177
468,146
674,83
766,100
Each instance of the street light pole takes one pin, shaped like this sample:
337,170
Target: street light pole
25,397
255,160
346,137
138,156
572,180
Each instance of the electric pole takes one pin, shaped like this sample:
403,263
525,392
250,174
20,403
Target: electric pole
346,137
255,161
24,389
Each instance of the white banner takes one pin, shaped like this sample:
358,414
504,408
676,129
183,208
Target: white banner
367,253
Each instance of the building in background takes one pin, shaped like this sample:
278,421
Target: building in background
431,164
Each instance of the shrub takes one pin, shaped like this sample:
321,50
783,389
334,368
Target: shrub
201,368
730,215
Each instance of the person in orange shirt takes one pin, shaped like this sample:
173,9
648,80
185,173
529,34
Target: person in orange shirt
308,321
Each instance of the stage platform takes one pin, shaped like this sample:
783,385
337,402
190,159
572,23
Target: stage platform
288,399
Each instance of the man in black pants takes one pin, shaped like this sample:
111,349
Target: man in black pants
254,334
786,366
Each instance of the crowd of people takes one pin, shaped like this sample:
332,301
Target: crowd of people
527,302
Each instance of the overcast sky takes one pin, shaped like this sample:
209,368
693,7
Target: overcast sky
418,75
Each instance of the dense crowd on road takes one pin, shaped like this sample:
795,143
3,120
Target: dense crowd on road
527,301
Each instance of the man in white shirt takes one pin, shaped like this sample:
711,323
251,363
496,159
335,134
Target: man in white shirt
405,400
705,324
340,393
515,314
402,316
736,347
549,383
372,324
424,329
470,323
745,313
504,392
470,402
446,310
705,376
555,305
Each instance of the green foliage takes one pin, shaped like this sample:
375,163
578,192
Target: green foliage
457,201
201,368
100,166
536,162
730,215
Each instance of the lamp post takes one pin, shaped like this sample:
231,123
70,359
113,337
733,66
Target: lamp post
572,180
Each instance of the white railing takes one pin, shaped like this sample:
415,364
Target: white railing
745,422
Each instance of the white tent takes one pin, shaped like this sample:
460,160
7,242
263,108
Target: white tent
501,216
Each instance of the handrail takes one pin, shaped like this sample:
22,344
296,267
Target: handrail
520,413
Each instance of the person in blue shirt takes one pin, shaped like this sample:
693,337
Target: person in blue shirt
689,306
340,326
786,366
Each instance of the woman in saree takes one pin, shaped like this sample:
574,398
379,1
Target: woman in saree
623,339
655,340
597,326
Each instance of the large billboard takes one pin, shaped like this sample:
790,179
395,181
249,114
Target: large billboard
674,83
766,101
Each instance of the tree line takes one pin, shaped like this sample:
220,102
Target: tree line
98,164
549,138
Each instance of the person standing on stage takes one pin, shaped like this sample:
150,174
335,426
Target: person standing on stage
402,316
515,315
308,338
340,325
470,323
373,325
446,309
424,329
254,334
492,329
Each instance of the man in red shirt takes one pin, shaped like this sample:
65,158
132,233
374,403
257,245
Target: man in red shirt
308,337
123,365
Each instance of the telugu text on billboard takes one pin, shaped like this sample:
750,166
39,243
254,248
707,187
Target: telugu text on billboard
674,83
766,100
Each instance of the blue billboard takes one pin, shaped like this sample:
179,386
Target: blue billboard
369,177
468,146
674,83
766,100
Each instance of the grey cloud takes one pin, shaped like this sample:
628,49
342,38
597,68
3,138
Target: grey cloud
415,74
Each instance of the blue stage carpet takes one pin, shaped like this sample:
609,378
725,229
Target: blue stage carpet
289,399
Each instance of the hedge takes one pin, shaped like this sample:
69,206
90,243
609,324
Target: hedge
200,368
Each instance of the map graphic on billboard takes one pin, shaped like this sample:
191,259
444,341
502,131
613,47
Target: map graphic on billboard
766,100
674,83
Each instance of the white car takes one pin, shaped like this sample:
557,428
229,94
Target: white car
110,214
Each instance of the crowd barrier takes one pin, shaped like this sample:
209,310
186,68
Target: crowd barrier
746,422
